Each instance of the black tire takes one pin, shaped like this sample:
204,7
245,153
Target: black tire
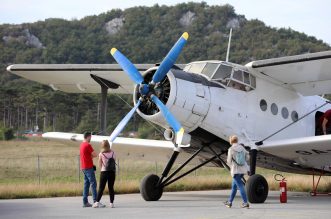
148,189
257,189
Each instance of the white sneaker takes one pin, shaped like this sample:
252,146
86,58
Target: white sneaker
98,205
111,205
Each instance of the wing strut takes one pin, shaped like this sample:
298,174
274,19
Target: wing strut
152,186
104,85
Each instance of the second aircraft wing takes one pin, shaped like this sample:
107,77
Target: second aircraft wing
78,78
308,74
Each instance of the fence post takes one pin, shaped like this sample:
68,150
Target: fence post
118,167
38,166
78,165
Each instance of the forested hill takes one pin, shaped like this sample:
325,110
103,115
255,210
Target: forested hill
144,34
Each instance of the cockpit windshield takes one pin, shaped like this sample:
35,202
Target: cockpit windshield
228,74
210,69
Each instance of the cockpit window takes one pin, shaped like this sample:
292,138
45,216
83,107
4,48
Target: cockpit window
197,67
209,69
238,75
232,76
253,81
187,68
228,74
246,78
224,71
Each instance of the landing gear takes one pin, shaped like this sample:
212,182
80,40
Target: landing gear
151,187
315,185
257,189
257,186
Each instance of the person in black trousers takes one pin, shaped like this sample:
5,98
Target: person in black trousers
107,174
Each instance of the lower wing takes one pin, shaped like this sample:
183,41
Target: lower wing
125,148
307,152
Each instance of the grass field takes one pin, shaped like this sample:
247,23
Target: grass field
39,168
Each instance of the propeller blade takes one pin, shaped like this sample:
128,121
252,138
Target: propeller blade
172,121
127,66
123,123
170,59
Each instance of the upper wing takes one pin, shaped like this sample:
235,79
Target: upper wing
309,74
314,152
78,78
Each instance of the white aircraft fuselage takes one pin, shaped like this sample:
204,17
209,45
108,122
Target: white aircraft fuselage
253,110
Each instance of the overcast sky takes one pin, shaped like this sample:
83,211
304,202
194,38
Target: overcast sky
312,17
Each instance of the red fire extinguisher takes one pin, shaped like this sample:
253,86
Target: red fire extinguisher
283,188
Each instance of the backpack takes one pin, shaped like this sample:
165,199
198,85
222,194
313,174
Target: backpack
111,164
239,158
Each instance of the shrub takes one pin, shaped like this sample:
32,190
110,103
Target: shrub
6,134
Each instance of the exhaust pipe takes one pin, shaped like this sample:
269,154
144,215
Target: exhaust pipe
169,134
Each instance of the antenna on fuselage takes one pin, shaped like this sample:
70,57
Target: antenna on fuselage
228,51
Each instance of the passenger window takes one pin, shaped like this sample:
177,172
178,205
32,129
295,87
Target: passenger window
263,105
274,109
294,116
285,112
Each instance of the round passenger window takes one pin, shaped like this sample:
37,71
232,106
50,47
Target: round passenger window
263,105
285,112
274,109
294,116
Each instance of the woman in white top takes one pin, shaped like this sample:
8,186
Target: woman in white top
238,170
107,175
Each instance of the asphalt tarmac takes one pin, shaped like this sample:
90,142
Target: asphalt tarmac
198,204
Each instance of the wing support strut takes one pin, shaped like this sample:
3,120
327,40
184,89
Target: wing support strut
152,186
163,182
104,85
315,185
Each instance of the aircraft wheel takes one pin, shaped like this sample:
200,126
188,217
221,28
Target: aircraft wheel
148,189
257,189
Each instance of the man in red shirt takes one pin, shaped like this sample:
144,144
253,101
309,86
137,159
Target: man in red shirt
325,122
87,154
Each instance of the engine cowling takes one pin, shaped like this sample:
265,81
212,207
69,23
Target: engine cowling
185,94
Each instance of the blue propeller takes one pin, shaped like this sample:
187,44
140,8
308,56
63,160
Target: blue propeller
123,122
172,121
127,66
170,59
146,90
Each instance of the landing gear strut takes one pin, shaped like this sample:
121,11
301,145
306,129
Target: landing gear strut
257,186
151,187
